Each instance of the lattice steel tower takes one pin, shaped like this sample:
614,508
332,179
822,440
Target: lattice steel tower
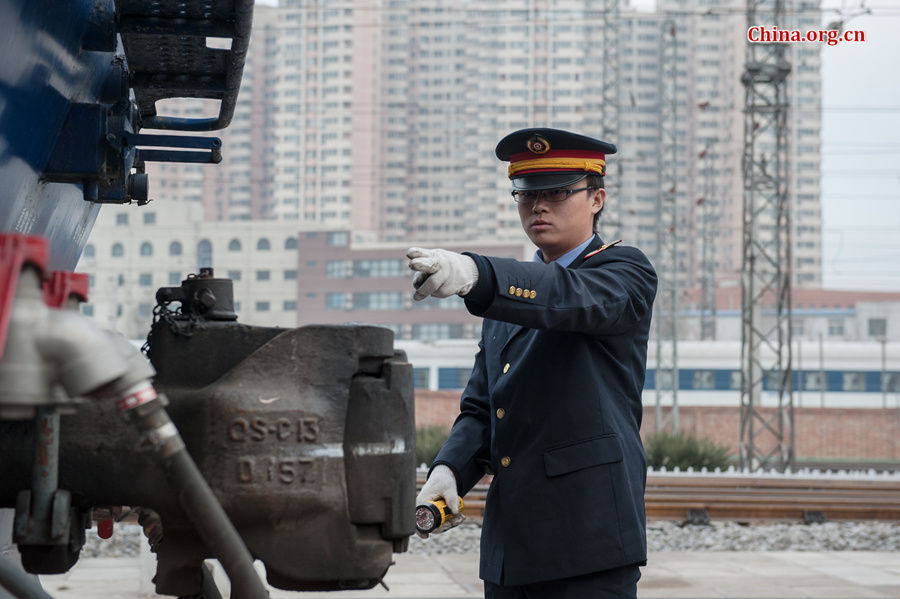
766,432
665,310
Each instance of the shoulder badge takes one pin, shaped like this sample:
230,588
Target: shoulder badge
597,251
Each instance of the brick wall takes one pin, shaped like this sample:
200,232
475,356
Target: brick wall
436,408
819,433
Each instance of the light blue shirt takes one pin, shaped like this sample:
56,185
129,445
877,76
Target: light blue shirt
566,259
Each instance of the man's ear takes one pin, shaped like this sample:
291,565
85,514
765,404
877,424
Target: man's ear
597,199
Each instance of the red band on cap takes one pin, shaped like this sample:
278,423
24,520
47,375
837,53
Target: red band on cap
590,154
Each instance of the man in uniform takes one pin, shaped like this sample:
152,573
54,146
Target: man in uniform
553,405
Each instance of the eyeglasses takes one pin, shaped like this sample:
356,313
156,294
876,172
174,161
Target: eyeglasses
551,195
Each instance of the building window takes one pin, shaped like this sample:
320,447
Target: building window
87,309
263,245
337,239
853,381
89,250
892,382
704,379
122,219
262,275
378,300
145,279
436,330
379,268
204,254
665,378
174,278
146,249
335,301
118,310
149,218
262,306
878,327
234,245
813,381
453,378
121,280
454,302
420,378
175,248
145,310
237,306
118,250
234,275
290,274
835,327
289,306
290,243
337,269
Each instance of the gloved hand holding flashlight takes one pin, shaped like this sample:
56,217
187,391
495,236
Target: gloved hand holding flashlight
438,497
441,273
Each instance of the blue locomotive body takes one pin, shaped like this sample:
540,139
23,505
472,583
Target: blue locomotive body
45,70
79,79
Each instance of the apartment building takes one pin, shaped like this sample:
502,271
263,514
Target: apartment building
133,252
381,117
346,280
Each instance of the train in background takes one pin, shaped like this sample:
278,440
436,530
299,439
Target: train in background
834,375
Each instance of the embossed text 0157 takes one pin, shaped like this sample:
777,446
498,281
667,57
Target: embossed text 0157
285,470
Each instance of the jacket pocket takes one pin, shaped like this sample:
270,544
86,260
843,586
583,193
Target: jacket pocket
582,454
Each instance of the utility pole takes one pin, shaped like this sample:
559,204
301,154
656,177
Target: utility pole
766,435
665,311
609,93
707,250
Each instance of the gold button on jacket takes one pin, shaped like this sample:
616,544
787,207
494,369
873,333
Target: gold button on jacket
505,461
506,368
500,413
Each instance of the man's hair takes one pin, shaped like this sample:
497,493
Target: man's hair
596,182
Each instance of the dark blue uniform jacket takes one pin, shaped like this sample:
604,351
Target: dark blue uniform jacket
553,409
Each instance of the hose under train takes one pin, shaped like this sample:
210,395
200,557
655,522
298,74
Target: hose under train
196,498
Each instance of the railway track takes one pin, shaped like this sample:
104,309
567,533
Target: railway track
701,497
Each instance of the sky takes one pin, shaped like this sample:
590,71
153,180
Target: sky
861,154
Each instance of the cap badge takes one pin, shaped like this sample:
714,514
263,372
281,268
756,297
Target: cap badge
538,145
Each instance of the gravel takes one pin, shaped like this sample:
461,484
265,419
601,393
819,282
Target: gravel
718,536
731,536
661,536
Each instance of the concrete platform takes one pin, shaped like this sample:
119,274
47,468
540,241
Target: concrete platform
698,575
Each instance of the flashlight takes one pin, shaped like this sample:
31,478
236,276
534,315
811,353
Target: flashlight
432,515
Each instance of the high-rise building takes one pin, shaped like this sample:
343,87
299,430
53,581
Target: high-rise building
381,116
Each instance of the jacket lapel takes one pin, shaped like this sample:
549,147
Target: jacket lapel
595,244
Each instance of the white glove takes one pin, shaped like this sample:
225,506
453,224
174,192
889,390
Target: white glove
441,273
441,483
